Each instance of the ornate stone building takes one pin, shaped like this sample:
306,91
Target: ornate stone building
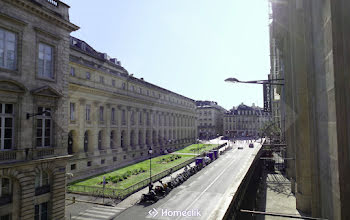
115,118
312,37
34,60
209,119
245,121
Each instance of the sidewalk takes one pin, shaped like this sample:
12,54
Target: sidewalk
275,196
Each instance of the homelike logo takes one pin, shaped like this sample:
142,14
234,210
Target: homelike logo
174,213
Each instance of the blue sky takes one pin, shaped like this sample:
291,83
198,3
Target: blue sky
187,46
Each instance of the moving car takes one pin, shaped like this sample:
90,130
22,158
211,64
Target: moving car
251,145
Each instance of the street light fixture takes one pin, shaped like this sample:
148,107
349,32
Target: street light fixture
269,81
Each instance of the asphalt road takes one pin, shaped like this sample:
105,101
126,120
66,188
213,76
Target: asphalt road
202,195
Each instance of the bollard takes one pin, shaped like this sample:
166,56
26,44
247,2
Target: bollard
73,199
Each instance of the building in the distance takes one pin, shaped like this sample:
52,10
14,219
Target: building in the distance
115,117
245,121
34,60
209,119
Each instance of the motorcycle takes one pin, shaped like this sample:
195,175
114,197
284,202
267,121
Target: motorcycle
151,196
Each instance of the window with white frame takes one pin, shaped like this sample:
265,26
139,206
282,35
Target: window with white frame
8,57
113,115
6,126
44,127
72,71
45,61
41,211
87,112
101,113
72,111
41,179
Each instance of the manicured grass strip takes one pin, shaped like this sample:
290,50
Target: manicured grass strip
194,148
159,164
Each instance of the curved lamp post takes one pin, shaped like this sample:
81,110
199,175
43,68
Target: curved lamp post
269,81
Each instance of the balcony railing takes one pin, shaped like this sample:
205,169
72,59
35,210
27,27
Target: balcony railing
53,2
103,152
7,155
42,190
6,199
45,152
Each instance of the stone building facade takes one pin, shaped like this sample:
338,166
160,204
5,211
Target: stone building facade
114,118
245,121
34,59
209,119
313,39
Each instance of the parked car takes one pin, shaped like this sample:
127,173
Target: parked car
240,147
251,145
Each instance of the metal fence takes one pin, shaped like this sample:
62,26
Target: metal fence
123,193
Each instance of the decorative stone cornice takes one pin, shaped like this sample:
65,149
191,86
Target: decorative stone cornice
44,14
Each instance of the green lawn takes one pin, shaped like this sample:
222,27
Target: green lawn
194,148
159,164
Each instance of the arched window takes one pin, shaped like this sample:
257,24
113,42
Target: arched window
132,136
86,141
100,140
112,145
70,143
122,139
140,138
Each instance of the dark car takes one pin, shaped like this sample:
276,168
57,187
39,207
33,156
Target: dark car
251,145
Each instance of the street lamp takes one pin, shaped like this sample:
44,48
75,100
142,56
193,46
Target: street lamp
269,81
150,151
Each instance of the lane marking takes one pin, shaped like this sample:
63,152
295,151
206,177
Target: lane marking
208,187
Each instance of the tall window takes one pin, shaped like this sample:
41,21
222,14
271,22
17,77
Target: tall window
101,113
88,75
123,86
123,117
87,112
148,119
41,179
72,71
72,111
6,126
41,212
86,141
99,140
140,118
113,82
113,115
102,80
44,127
112,140
132,118
45,61
7,49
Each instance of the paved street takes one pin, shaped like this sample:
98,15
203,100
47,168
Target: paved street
202,195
